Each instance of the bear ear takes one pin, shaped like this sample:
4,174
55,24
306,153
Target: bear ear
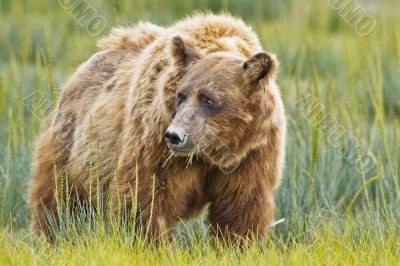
183,53
261,68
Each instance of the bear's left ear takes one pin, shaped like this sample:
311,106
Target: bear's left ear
183,52
261,68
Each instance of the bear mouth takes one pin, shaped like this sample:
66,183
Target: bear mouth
180,151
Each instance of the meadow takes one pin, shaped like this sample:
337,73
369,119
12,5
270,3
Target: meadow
337,210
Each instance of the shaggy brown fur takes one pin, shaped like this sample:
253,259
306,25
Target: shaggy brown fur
206,76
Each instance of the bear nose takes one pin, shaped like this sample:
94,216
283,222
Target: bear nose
175,137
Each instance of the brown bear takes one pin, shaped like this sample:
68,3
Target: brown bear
167,123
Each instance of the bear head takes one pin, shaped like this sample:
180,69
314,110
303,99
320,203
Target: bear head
224,104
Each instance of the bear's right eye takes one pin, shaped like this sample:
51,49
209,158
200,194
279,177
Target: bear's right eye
180,98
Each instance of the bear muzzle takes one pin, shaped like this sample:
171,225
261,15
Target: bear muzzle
177,140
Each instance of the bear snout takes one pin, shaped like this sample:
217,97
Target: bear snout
176,138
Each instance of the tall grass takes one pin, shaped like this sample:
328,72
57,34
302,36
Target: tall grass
332,212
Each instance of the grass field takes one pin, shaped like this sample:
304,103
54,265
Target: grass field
334,212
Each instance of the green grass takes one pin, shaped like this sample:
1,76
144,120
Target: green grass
333,214
355,242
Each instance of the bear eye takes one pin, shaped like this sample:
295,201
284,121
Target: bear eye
180,98
206,100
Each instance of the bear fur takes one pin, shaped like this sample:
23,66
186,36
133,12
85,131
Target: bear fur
107,131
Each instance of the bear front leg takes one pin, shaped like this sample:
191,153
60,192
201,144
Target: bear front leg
160,199
151,209
242,201
153,216
242,213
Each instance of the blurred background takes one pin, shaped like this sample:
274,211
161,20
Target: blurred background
350,68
